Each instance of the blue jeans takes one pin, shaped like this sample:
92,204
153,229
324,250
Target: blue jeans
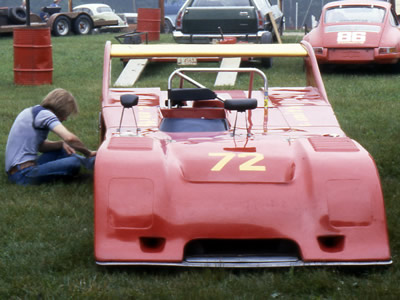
51,166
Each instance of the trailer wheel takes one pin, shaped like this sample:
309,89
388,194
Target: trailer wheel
266,38
17,15
61,26
83,25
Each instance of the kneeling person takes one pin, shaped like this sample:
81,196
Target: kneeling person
28,136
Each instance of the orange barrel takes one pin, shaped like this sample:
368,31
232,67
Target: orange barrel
33,61
148,20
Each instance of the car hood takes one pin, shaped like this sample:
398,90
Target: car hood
354,36
222,162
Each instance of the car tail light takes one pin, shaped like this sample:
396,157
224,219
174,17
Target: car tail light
387,50
318,50
178,22
260,20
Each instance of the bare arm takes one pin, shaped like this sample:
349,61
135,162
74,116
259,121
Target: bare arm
72,140
52,145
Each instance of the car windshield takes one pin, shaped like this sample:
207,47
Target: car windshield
207,3
354,14
103,9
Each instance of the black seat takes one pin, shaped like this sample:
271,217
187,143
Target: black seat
240,105
178,95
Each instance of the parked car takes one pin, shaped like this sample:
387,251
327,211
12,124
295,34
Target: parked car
356,32
171,8
261,177
201,21
100,11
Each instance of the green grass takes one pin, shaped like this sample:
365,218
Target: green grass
46,232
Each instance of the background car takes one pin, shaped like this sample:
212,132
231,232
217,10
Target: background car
201,21
102,12
171,9
356,32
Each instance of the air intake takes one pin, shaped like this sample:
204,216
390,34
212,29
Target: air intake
241,251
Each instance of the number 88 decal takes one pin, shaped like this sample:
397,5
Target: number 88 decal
351,37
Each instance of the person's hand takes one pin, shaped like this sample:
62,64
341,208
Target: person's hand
92,153
68,149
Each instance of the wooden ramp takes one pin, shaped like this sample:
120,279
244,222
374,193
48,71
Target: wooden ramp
228,78
131,72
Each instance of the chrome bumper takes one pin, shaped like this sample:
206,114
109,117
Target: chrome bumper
246,262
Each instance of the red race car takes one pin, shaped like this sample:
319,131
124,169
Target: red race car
264,177
356,32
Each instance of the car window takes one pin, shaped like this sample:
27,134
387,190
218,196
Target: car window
87,10
393,19
206,3
366,14
103,9
83,9
262,3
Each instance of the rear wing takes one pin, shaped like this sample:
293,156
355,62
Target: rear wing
208,50
304,49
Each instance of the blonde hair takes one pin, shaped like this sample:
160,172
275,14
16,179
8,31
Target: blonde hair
61,102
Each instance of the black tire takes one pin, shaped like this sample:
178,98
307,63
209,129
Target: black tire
168,27
61,26
266,38
83,25
17,15
281,27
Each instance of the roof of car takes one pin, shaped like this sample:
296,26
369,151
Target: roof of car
359,2
92,5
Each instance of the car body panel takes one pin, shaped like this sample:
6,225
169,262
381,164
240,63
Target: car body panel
171,8
283,187
353,41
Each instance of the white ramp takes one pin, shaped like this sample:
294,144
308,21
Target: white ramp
131,72
228,78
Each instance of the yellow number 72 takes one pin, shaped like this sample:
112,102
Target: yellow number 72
248,165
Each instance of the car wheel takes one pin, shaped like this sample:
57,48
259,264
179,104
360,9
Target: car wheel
168,28
61,26
17,15
281,27
83,25
266,38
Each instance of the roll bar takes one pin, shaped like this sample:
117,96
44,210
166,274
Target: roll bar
183,77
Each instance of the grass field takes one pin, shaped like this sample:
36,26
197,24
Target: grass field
46,232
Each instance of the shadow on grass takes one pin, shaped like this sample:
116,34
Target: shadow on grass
167,271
